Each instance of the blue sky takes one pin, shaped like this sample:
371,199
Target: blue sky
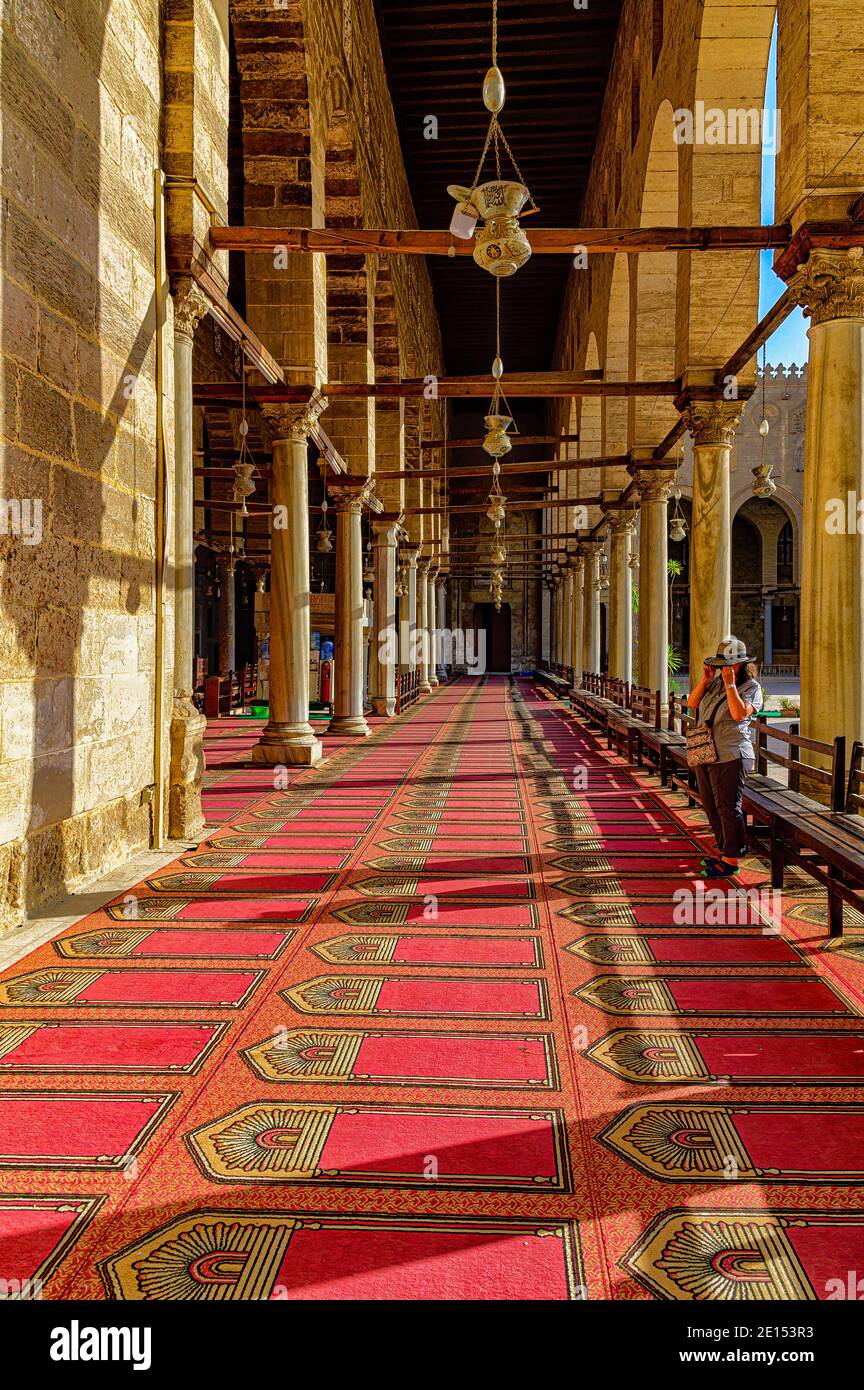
789,343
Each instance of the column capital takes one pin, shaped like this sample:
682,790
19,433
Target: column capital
653,484
386,530
351,495
830,285
593,550
622,520
190,306
713,422
294,420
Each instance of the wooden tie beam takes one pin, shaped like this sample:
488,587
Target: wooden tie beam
545,241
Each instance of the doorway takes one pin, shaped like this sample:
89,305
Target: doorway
493,629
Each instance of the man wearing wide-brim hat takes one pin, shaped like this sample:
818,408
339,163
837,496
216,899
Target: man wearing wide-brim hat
724,702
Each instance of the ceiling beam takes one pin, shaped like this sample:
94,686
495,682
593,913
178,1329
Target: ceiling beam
544,385
517,440
540,466
545,241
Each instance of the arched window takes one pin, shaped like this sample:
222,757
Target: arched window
656,32
784,554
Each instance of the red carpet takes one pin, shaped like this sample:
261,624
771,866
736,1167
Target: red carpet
427,1023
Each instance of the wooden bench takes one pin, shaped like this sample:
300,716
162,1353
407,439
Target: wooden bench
823,838
657,743
624,725
558,679
234,691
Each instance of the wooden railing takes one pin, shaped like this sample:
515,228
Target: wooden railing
407,689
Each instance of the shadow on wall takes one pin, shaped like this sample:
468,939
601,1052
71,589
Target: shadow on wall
79,127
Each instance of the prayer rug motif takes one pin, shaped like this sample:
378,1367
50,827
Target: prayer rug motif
767,1143
229,1255
471,1148
428,996
757,1256
509,1061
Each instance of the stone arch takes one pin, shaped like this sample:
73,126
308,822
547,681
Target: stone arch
618,366
719,294
768,516
590,418
350,290
655,284
282,182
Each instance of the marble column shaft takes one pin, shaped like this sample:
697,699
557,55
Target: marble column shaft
621,524
830,286
712,425
382,660
654,487
348,714
289,737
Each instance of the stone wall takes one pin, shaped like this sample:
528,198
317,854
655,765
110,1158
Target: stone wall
80,136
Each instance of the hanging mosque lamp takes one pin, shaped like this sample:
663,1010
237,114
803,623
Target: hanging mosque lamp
501,245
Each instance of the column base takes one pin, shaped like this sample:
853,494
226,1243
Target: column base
281,744
441,673
425,688
385,706
433,681
185,815
349,726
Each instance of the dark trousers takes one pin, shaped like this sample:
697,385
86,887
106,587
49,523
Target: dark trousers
721,786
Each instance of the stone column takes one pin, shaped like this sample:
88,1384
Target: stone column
559,627
591,608
423,625
227,616
288,736
768,632
441,589
567,617
622,524
382,658
348,716
712,425
654,486
577,622
186,767
546,619
432,619
830,286
407,637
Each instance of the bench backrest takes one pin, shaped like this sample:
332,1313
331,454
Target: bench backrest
829,772
855,784
645,705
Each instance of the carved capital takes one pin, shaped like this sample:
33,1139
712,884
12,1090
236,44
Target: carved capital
190,306
713,422
830,285
351,496
622,522
293,420
654,484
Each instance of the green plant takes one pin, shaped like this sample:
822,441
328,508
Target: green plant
635,598
674,660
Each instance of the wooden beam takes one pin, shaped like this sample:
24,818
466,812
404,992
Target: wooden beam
545,241
540,466
518,441
544,385
519,507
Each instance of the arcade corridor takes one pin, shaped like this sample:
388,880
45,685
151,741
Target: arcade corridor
423,1024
